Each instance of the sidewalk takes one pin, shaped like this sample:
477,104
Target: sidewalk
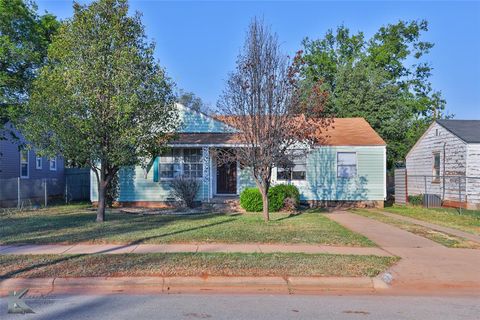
454,232
425,265
166,248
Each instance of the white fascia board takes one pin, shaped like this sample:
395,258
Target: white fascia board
199,145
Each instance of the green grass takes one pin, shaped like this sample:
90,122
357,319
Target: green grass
444,239
467,220
192,264
76,223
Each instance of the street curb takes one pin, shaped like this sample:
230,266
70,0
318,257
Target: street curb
105,285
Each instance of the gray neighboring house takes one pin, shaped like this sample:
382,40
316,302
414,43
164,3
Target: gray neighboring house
30,169
450,149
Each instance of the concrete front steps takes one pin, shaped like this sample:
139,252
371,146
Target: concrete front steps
225,204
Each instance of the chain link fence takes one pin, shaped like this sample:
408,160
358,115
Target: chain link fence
30,193
453,191
21,193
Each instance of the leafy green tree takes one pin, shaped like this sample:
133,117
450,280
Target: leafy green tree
365,91
102,99
383,79
24,38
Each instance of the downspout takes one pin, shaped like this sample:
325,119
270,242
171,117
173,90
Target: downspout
444,154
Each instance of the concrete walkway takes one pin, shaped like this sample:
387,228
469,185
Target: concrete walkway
425,265
163,248
451,231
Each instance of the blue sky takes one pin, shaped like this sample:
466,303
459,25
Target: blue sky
197,42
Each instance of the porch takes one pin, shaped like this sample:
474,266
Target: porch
221,181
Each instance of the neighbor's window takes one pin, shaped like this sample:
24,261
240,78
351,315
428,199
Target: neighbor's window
24,164
192,163
346,164
38,162
297,170
436,167
53,164
170,164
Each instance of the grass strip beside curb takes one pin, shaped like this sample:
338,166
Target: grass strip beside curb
193,264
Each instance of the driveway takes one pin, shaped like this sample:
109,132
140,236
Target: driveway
425,265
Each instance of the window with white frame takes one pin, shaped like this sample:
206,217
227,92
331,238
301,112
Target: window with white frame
346,164
24,164
170,164
38,162
297,168
192,163
181,162
53,164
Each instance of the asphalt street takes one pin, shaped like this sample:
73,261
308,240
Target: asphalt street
216,306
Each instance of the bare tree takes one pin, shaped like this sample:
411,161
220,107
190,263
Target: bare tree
270,111
191,100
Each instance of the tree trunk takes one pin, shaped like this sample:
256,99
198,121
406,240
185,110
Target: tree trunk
263,187
266,215
104,178
102,191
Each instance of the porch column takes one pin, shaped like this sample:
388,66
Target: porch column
206,172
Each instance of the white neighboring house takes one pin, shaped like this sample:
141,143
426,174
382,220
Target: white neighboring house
448,154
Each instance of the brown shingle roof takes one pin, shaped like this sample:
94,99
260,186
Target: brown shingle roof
352,132
342,132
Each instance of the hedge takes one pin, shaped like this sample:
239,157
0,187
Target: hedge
251,198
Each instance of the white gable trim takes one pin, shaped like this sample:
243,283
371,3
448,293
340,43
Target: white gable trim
421,138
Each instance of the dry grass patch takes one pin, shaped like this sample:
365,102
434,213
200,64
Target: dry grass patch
465,220
192,264
443,238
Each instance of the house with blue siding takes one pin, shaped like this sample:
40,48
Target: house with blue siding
348,168
23,169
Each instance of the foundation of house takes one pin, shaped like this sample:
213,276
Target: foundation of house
345,204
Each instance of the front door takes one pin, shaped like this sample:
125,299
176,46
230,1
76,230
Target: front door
227,178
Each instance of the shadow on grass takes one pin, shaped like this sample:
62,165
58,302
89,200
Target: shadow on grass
19,271
291,215
64,258
79,227
139,241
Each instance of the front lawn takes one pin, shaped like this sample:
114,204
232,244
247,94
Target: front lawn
467,220
192,264
76,223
